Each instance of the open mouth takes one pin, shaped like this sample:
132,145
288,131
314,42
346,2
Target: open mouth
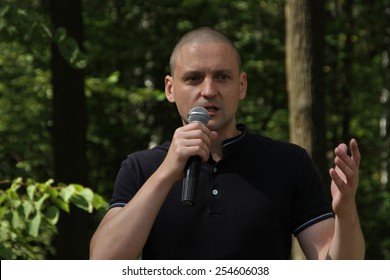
211,109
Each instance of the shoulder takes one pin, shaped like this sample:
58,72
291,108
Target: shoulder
251,141
149,155
134,171
143,163
274,147
270,154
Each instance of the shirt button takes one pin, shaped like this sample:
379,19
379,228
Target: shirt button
215,170
215,191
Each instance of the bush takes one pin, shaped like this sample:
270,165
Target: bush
29,212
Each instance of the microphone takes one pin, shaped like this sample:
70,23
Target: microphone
192,169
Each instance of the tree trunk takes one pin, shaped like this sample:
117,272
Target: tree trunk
69,140
304,49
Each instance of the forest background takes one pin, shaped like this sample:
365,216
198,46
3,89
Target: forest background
82,86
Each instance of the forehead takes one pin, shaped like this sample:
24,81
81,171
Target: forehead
206,55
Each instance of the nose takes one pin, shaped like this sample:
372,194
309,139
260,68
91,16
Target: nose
209,88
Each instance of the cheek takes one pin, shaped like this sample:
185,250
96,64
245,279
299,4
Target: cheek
183,106
185,96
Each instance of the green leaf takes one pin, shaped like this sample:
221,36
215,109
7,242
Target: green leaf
49,182
31,191
17,222
15,185
34,225
52,215
113,78
3,197
13,198
52,192
38,204
28,208
61,204
87,194
4,10
77,187
46,30
3,211
67,192
99,202
82,203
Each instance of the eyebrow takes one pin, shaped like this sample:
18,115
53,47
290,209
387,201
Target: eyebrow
217,71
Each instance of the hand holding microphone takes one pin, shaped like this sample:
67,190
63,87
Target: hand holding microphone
192,169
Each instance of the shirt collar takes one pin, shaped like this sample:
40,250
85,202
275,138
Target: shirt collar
232,144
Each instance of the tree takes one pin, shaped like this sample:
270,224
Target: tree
304,80
69,118
128,45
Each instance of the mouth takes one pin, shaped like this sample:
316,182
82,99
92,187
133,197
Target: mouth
212,109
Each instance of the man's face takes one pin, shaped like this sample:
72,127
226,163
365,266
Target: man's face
207,75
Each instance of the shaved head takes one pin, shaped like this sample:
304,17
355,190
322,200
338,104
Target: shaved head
203,35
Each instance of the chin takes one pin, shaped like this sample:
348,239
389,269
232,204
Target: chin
212,125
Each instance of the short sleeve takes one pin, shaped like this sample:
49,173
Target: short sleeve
310,202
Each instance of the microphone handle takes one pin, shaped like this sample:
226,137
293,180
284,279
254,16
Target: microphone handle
190,180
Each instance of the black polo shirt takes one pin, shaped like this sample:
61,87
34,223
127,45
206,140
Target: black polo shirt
247,205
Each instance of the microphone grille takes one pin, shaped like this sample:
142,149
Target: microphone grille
198,114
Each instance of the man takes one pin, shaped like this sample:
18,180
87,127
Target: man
253,192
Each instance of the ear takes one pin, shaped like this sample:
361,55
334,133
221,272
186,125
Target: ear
169,89
243,85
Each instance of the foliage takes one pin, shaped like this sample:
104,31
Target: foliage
25,92
354,79
127,49
29,212
126,122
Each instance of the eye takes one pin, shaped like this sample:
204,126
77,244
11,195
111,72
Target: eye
192,79
223,77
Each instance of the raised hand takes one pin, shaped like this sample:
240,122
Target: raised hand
345,178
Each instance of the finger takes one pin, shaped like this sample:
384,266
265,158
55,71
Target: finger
339,182
342,148
198,140
347,167
197,131
355,153
196,126
341,161
341,169
344,161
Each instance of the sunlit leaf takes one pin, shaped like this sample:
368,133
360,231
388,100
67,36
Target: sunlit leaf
35,224
16,220
67,192
87,194
31,191
78,188
38,204
28,208
99,202
81,202
61,204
